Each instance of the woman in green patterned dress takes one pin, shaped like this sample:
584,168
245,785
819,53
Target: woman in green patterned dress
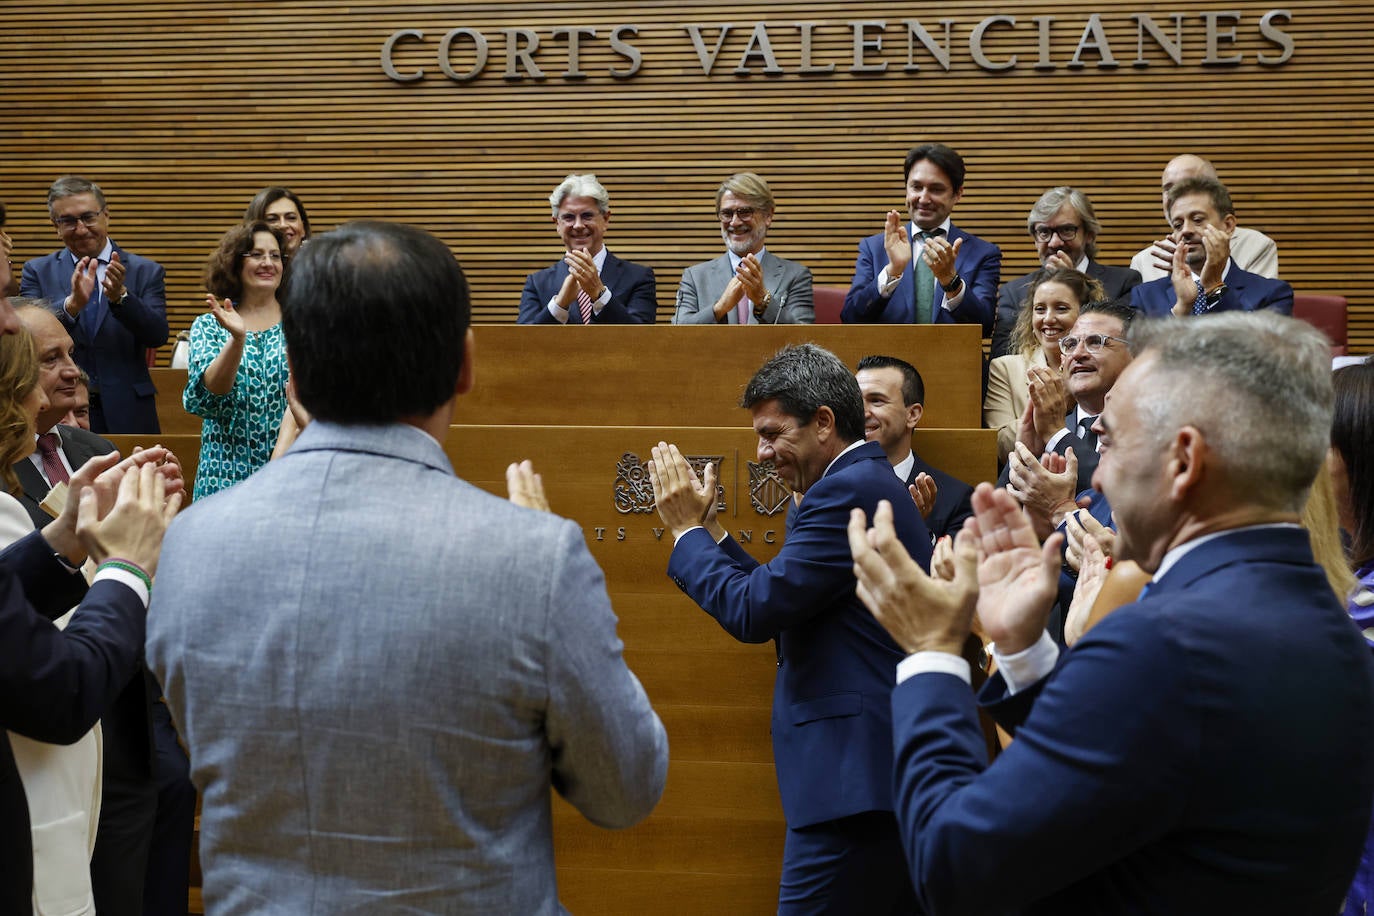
237,365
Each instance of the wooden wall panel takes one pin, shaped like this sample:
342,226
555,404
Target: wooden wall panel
183,110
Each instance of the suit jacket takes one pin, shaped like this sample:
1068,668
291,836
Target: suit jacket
1252,250
1116,282
1207,749
1245,292
114,355
632,286
832,733
952,500
377,703
702,285
79,445
53,683
978,262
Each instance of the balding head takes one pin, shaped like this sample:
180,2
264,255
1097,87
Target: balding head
57,370
1180,168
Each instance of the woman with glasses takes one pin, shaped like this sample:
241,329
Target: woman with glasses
1047,314
237,365
281,209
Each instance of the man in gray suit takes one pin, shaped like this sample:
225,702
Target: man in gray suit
377,701
746,285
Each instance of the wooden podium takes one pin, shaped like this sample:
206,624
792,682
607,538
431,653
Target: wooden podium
587,406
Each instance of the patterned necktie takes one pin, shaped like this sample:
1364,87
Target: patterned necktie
924,279
584,304
1200,303
56,472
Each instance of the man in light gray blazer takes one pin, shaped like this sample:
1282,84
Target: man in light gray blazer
746,285
377,701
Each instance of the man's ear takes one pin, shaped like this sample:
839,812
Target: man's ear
1187,462
913,415
466,375
825,422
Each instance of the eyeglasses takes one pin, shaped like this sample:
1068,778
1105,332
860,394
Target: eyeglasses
728,214
1065,233
90,219
1094,342
264,256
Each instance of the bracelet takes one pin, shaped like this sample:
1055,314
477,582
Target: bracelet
129,567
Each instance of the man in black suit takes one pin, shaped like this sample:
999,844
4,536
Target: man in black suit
147,812
894,399
589,285
1064,227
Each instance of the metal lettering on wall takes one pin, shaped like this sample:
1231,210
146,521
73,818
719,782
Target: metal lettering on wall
908,46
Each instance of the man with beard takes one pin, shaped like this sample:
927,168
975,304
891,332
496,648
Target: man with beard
747,284
1205,278
589,285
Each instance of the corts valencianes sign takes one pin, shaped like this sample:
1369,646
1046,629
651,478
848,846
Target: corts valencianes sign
995,43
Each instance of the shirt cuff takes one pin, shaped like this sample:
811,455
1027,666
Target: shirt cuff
601,301
950,303
886,282
1022,669
933,663
560,314
1054,440
124,577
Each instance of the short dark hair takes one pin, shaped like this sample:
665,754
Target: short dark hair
1215,190
1352,436
913,388
804,378
1112,308
222,274
375,316
257,207
946,159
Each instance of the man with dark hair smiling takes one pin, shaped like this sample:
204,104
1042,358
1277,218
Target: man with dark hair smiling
1205,279
377,703
832,741
925,270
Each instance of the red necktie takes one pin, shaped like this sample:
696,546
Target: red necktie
48,444
584,302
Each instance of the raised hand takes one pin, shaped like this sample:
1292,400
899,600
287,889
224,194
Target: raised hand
683,501
920,612
897,244
113,284
224,313
923,493
1018,578
526,488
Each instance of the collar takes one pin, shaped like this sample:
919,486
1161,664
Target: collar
599,259
857,443
103,257
904,467
947,225
1082,265
735,259
1174,555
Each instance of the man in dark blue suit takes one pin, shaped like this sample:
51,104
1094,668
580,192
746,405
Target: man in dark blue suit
1064,226
590,285
926,271
1208,748
112,302
894,399
832,735
1204,279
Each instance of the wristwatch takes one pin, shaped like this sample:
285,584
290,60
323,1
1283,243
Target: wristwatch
1213,299
952,285
761,307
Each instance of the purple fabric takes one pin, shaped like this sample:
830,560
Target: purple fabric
1360,900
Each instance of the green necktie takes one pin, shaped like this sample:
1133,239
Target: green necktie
925,280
